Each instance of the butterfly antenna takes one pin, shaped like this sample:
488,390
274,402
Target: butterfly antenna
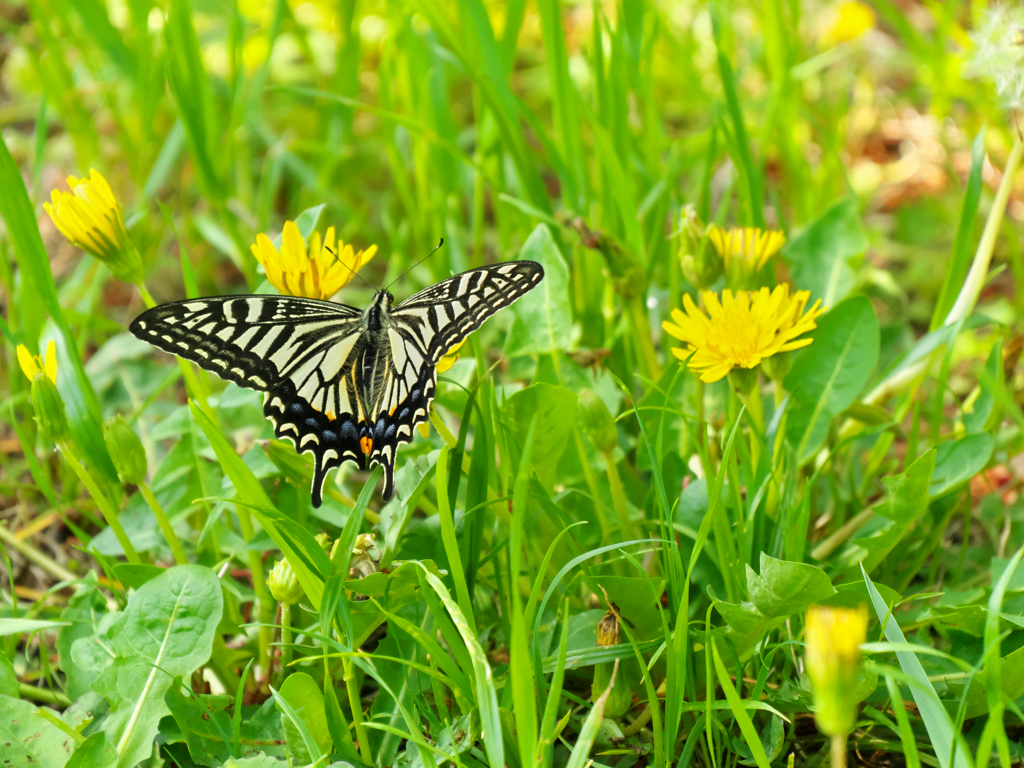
410,269
346,266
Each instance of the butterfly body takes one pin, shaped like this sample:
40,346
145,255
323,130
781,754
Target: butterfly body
340,383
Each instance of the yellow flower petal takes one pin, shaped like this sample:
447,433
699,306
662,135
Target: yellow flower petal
50,361
450,358
317,272
740,329
28,363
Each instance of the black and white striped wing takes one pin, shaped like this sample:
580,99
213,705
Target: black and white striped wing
439,317
424,327
300,352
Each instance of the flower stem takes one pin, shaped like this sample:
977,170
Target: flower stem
618,496
286,642
442,429
264,602
641,329
357,709
44,695
37,557
838,744
165,525
106,508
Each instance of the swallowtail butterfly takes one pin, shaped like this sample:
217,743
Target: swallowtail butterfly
340,383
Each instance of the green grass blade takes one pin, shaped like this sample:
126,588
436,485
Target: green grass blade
483,679
736,707
585,740
961,259
450,542
936,719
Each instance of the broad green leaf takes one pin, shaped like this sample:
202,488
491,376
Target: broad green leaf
1011,676
781,589
167,629
307,702
542,322
95,752
959,461
856,593
8,678
28,740
828,375
907,501
820,254
83,612
205,729
85,419
635,600
555,410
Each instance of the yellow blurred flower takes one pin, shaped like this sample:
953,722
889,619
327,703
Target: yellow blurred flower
741,330
90,218
833,639
450,358
317,273
33,365
850,20
749,247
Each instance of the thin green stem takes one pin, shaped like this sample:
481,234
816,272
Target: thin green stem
618,496
106,508
838,746
165,525
44,695
37,557
264,601
286,643
357,710
642,333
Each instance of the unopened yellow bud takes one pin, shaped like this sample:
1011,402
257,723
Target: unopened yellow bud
284,587
621,697
49,408
834,636
126,451
598,424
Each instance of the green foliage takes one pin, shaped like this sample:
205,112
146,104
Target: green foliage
573,462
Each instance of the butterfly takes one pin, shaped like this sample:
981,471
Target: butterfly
341,383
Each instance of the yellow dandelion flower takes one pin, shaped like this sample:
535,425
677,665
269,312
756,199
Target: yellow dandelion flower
750,247
742,329
317,273
850,20
834,636
90,218
450,358
33,365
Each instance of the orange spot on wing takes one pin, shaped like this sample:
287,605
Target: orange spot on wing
330,415
365,445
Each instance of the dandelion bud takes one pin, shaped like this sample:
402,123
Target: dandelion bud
90,218
598,424
49,408
743,380
284,587
46,400
324,541
833,642
126,451
702,266
745,252
777,366
621,697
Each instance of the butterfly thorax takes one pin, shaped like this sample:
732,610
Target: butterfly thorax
376,349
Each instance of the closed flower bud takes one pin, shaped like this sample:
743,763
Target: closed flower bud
621,697
833,642
597,422
777,366
743,380
49,408
126,451
702,266
284,587
324,541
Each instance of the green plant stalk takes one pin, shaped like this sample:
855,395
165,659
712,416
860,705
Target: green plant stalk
349,676
755,407
264,600
618,496
44,695
165,525
591,480
37,557
641,330
286,643
442,429
106,508
838,748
